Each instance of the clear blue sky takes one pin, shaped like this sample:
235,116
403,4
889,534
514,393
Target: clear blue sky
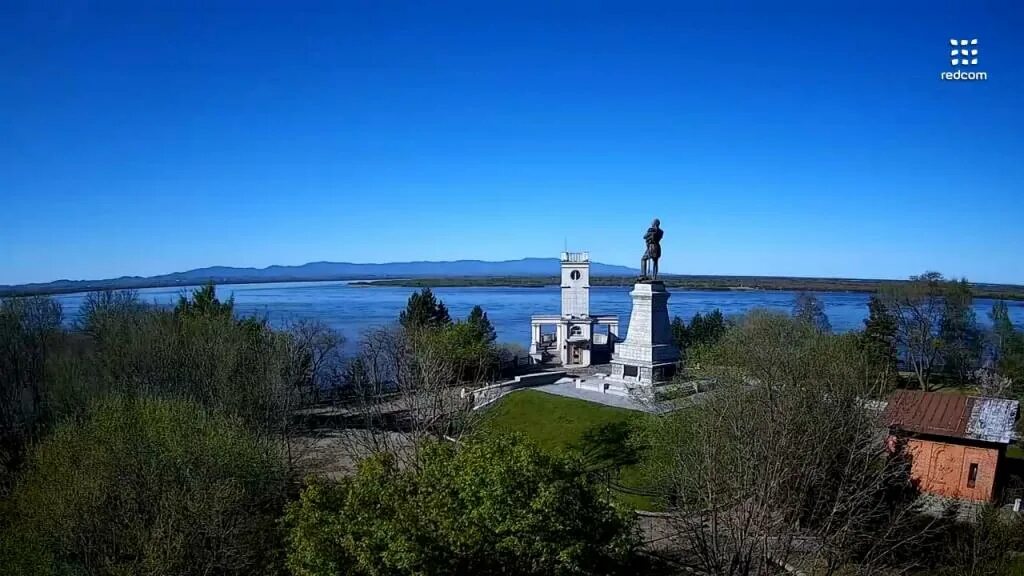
810,138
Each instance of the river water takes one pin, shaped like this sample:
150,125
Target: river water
354,309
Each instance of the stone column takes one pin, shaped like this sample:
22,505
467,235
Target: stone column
563,348
648,350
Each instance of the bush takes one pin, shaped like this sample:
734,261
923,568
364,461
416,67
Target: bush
239,367
495,505
147,487
30,328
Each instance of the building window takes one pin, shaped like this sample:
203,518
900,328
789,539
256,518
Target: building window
575,275
972,476
630,371
575,331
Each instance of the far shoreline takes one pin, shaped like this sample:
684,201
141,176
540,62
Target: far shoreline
679,282
696,283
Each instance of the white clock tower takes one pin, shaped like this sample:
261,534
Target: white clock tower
575,284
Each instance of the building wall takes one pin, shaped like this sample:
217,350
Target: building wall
943,468
575,291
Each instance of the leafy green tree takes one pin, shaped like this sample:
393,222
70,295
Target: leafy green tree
30,331
707,329
424,310
242,368
203,302
809,309
703,330
1008,348
879,336
958,331
680,333
478,319
458,351
1003,331
147,487
493,505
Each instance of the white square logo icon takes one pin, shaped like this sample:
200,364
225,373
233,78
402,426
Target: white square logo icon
963,52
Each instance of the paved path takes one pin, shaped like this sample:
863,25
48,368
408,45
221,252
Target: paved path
569,390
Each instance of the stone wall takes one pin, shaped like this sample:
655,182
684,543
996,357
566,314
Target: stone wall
484,396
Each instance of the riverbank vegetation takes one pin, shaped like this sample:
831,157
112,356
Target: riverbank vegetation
193,441
688,282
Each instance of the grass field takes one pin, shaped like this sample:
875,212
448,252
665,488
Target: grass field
1015,451
559,424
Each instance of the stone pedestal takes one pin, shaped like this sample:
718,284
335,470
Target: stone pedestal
647,357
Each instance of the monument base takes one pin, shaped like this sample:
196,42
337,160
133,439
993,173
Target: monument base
647,357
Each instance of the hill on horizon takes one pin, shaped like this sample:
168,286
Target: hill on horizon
323,271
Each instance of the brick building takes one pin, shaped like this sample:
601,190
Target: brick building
957,444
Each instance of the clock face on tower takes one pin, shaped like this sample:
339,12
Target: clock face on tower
575,275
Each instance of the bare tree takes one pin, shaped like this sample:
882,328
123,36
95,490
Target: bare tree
404,385
316,349
785,464
918,307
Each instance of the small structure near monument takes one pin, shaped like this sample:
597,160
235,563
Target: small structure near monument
957,444
576,341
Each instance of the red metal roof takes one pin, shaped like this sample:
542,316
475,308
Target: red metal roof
928,413
952,415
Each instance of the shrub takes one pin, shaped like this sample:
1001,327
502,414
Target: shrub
495,505
147,487
241,368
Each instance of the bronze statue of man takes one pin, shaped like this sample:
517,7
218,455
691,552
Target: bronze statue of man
653,253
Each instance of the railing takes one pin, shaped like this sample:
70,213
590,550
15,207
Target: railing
575,256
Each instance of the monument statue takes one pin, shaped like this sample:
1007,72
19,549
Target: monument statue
653,252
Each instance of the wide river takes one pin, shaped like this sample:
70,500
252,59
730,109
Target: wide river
354,309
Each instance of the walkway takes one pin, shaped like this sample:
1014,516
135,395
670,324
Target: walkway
569,390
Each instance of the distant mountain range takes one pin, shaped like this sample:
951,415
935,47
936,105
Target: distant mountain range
321,271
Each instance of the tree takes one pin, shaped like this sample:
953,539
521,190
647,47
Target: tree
707,329
30,328
918,307
242,368
401,390
424,310
784,461
472,357
879,336
147,487
809,309
492,505
316,351
204,303
1003,331
958,331
680,333
1008,350
478,319
702,330
106,306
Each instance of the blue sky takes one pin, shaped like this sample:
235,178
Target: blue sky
788,138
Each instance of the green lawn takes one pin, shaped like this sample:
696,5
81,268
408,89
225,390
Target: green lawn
1015,451
558,424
